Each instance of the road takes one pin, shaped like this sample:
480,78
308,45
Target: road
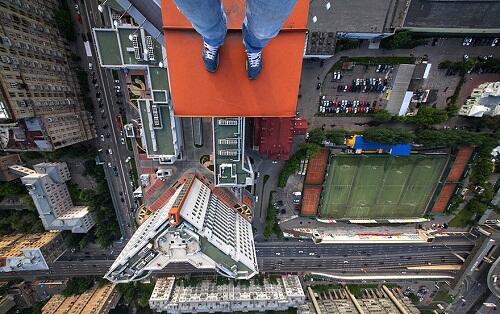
294,256
106,124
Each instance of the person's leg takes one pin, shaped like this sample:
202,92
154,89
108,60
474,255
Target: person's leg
209,20
263,22
207,17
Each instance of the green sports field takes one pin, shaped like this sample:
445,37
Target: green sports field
380,186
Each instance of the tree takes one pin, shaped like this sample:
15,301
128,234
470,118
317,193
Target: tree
336,136
402,40
309,150
382,116
491,122
316,136
27,201
78,286
388,135
482,171
13,188
428,116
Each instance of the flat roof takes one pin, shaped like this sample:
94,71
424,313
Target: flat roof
220,257
228,167
164,137
228,92
472,14
108,46
399,88
371,16
235,12
114,45
159,78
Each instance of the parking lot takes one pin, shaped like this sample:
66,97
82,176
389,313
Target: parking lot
359,90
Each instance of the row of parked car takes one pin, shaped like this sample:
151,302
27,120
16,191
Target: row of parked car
469,41
369,85
346,106
384,68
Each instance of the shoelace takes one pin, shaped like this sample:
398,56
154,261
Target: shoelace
254,58
210,51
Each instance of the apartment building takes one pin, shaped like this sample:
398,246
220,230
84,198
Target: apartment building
209,296
47,186
40,104
195,226
5,162
97,300
21,252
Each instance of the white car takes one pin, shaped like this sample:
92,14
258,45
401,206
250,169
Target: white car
128,159
494,42
110,151
102,137
122,140
110,165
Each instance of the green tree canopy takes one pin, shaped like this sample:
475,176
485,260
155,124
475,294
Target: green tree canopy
402,40
382,116
428,116
388,135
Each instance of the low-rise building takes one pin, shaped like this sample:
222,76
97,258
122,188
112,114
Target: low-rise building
231,167
135,45
484,100
47,187
447,17
381,300
6,303
97,300
20,252
196,226
330,21
174,297
5,162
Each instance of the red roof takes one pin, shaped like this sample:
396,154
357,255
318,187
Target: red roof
274,137
228,92
299,126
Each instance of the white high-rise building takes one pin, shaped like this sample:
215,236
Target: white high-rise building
209,296
47,187
195,226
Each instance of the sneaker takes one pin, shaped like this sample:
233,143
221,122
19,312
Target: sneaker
254,64
210,56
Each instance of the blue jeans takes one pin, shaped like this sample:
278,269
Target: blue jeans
263,20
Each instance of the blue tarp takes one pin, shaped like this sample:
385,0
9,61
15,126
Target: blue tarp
395,150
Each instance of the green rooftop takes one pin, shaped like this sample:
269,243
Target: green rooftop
220,257
113,42
159,79
109,50
228,152
163,136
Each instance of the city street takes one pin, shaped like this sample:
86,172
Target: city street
113,151
294,256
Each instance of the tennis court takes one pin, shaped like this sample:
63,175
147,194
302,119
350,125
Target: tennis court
380,186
